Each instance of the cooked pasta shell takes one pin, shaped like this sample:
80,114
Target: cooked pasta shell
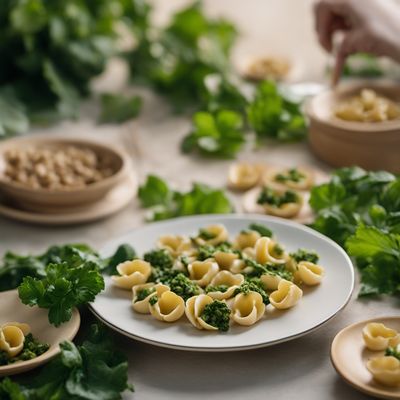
309,273
270,281
246,239
265,252
271,178
385,370
232,281
243,176
175,244
142,306
194,309
12,340
225,260
131,273
218,234
25,328
202,272
248,308
288,210
286,296
168,308
377,336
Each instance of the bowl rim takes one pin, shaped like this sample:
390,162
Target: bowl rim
65,139
354,126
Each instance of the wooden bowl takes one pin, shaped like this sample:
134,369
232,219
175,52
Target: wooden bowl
12,310
56,200
371,145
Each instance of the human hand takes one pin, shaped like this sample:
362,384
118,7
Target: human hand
369,26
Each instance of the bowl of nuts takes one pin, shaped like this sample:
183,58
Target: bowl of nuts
42,173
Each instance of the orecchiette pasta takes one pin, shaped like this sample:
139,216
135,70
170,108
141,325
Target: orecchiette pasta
378,337
132,273
213,235
174,244
228,280
310,273
385,370
201,272
287,210
227,260
270,281
268,251
169,307
194,309
143,293
12,337
243,176
248,308
246,239
286,296
292,178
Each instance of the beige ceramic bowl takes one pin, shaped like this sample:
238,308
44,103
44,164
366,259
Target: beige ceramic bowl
341,143
12,310
55,200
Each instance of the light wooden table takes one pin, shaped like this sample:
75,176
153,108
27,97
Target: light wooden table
296,370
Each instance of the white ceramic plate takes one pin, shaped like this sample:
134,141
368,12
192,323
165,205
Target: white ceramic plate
318,305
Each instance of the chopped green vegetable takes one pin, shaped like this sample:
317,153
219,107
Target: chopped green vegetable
255,270
183,286
63,288
159,258
219,134
217,314
272,115
153,300
94,370
206,235
143,293
305,255
218,288
292,175
207,251
166,203
273,198
117,108
261,229
253,285
124,252
392,351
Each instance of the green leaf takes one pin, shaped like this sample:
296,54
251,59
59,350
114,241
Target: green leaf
124,252
117,108
154,192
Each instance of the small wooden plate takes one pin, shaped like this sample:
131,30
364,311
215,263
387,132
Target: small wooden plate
349,357
114,201
12,310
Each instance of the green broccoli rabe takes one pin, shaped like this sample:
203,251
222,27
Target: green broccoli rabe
217,314
271,197
393,351
206,235
153,300
183,286
253,285
305,255
207,251
292,175
159,258
32,349
217,288
277,250
143,293
261,229
256,270
164,276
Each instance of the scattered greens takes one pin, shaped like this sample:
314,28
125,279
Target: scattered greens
218,288
273,198
392,351
94,370
272,115
183,286
305,255
292,175
159,258
143,293
219,134
32,349
261,229
253,285
166,203
217,314
207,251
116,108
255,270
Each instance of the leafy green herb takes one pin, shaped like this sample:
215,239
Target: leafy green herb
272,115
63,288
219,134
273,198
218,288
261,229
217,314
253,285
117,108
32,349
292,175
305,255
124,252
166,203
94,370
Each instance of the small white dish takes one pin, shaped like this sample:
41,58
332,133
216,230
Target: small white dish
319,305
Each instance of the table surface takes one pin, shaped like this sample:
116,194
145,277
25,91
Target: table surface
299,369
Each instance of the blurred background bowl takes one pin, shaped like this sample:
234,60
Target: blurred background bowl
371,145
54,200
